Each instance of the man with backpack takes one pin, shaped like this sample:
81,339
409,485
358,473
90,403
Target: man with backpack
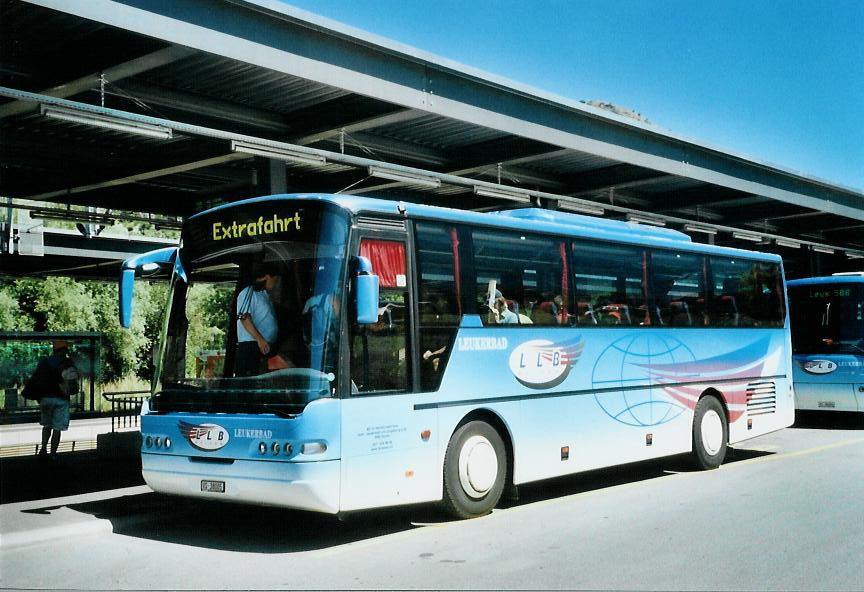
55,379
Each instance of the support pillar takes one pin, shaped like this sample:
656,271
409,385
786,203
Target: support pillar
272,176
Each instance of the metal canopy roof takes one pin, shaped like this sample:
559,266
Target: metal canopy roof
207,101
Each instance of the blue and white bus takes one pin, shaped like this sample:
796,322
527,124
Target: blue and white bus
430,354
827,318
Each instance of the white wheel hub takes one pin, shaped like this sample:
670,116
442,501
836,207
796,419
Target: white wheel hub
478,466
712,432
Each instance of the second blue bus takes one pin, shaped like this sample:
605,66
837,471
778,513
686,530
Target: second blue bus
827,315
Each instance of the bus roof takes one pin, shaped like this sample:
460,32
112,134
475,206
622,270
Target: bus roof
831,279
524,219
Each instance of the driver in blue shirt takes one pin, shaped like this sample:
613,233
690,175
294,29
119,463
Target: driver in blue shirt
257,328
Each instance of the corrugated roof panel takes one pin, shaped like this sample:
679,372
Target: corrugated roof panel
432,130
667,184
250,85
567,163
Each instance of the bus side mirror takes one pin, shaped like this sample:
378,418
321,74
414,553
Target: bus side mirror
127,277
366,290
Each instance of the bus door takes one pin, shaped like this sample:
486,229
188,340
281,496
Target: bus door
388,447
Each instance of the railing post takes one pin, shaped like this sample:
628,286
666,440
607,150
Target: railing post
125,408
92,374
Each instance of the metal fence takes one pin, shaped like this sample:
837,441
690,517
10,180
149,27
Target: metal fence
125,409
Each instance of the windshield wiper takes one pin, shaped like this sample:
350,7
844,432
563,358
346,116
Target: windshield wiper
850,345
279,412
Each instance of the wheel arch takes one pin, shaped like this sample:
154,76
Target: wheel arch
493,419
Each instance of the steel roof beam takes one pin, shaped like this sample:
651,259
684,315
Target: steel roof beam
143,176
709,197
842,228
751,217
202,105
756,218
524,159
391,147
618,176
507,151
116,73
526,178
400,116
280,38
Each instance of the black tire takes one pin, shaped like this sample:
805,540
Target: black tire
469,493
710,433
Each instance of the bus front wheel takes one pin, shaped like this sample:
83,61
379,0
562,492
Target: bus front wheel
710,433
475,467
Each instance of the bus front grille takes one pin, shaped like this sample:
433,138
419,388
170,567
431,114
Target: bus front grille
761,398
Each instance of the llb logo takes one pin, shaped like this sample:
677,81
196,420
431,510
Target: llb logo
819,366
543,364
205,436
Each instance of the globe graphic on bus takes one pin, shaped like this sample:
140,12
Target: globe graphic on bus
624,365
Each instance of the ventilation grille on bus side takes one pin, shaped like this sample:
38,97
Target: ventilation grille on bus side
380,223
761,398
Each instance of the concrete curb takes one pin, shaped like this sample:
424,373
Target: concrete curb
12,514
27,538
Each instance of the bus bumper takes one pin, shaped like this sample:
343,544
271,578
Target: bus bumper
312,486
827,397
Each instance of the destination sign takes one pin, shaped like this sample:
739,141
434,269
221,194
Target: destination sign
256,222
820,293
275,225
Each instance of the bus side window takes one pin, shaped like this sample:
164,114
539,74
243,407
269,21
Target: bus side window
677,288
521,279
746,294
609,283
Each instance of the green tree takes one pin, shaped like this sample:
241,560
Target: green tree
64,304
10,313
207,310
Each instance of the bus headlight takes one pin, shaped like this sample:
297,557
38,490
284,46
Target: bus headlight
262,447
275,447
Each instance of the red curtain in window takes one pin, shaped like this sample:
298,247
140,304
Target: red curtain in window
565,292
388,261
454,243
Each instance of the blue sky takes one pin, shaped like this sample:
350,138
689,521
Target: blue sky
778,81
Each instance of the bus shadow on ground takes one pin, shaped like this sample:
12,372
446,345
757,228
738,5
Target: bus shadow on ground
242,528
253,529
828,420
620,475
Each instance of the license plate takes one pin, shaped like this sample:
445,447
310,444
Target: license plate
213,486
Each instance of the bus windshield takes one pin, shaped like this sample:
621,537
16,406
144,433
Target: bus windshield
254,322
827,318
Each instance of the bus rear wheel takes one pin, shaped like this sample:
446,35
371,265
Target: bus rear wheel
710,433
475,467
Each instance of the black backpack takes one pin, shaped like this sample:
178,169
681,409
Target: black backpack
47,380
36,387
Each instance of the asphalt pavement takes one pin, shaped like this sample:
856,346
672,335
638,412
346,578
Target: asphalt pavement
563,533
